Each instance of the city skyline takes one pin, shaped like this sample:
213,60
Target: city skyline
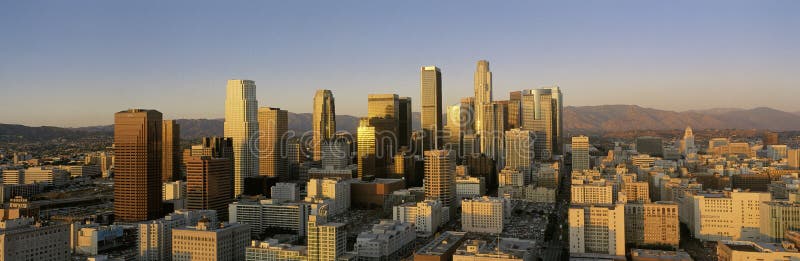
679,53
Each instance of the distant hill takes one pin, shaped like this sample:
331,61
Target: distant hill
631,117
603,118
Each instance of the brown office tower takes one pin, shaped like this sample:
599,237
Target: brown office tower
273,123
770,138
171,151
208,184
514,110
137,172
404,122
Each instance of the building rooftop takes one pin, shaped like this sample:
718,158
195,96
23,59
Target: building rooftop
442,244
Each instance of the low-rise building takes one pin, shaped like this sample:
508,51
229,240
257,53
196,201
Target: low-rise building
210,241
483,215
388,240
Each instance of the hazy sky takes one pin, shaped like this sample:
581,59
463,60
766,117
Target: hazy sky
75,63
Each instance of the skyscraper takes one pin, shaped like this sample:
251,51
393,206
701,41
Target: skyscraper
208,184
404,122
558,119
171,151
491,138
323,120
383,106
580,153
456,128
519,153
539,117
440,177
241,124
366,149
273,123
483,93
514,110
137,180
431,87
375,146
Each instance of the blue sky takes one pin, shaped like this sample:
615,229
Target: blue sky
75,63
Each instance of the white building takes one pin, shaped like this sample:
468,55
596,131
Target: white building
594,193
154,237
173,190
326,240
426,215
483,215
725,216
337,190
22,239
388,240
598,229
266,214
46,175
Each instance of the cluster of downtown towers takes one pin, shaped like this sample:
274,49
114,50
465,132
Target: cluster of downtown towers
257,140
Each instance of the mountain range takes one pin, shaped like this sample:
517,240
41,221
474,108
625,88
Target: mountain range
589,119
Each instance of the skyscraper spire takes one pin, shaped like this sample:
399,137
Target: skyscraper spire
483,95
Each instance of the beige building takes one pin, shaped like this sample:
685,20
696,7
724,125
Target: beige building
483,92
595,193
209,241
483,215
652,224
776,218
273,123
326,240
425,215
726,216
431,103
638,192
439,180
274,251
323,122
241,124
597,229
519,153
21,239
580,153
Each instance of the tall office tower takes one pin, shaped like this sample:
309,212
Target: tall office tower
366,149
537,110
793,156
514,110
440,177
137,173
648,224
404,122
580,153
241,124
491,137
597,229
431,88
335,154
326,240
520,154
558,119
323,120
468,107
459,120
483,93
483,215
209,240
770,138
687,144
208,184
171,151
383,106
273,123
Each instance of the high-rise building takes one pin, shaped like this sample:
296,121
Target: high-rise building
270,215
137,173
558,119
776,218
366,149
597,229
483,93
793,156
241,124
326,240
580,153
483,215
514,110
519,153
636,191
337,190
273,123
383,106
538,115
595,193
770,138
208,184
323,121
404,122
491,138
210,241
375,146
648,224
440,180
171,150
431,103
